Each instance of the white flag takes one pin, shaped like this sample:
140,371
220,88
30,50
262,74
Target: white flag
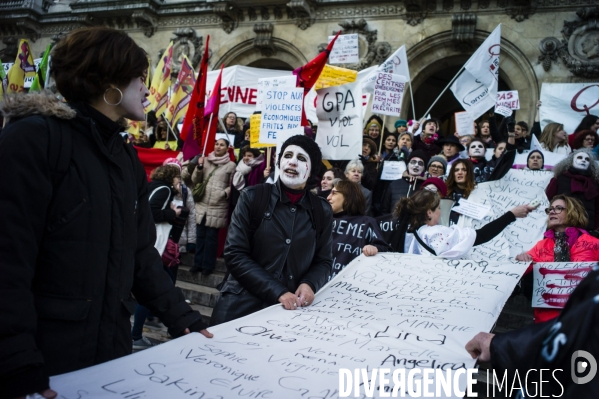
476,88
397,64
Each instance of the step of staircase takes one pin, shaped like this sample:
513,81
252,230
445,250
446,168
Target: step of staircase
187,260
199,294
211,280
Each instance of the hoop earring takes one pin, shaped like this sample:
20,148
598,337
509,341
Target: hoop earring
117,89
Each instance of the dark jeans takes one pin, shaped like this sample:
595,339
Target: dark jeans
142,313
206,246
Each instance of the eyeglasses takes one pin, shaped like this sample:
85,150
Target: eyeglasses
555,209
433,166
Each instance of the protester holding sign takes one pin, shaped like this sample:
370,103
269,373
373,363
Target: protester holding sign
354,233
427,140
565,241
278,247
578,176
408,184
485,170
422,212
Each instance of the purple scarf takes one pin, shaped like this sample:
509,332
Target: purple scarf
572,234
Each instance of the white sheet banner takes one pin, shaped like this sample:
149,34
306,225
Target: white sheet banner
281,111
339,111
517,187
396,64
388,311
555,281
388,92
345,50
551,159
568,103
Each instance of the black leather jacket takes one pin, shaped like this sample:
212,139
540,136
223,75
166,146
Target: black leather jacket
284,251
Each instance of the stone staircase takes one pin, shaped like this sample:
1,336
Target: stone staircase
200,290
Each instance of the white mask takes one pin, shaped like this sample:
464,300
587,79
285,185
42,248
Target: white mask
415,166
581,161
295,167
476,149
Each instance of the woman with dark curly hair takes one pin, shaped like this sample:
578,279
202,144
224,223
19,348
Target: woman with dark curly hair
585,139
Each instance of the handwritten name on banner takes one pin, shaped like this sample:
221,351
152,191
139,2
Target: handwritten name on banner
517,187
345,50
335,76
392,310
339,111
388,92
555,281
281,111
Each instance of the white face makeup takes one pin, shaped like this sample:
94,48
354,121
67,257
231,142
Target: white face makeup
295,167
415,166
581,161
476,149
131,106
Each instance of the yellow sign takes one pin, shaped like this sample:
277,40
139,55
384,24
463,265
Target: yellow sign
335,76
255,132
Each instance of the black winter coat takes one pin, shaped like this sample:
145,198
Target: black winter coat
74,247
397,190
283,253
161,213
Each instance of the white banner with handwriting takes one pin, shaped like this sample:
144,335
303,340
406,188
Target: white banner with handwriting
555,281
517,187
387,311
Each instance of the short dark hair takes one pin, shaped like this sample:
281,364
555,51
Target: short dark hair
256,152
87,61
523,125
354,202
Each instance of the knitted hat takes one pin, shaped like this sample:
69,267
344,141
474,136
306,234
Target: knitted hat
172,161
370,142
307,145
438,158
542,158
440,184
401,122
419,154
371,123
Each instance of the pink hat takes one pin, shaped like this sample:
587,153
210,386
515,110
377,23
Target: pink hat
172,161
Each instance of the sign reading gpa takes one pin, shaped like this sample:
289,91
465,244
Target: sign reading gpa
339,111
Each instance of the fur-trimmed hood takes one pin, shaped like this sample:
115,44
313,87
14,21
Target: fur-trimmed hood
19,105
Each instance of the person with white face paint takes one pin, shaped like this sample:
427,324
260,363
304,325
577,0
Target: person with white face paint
490,170
408,184
278,247
77,234
578,176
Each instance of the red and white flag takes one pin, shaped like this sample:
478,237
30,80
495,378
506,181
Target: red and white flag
476,88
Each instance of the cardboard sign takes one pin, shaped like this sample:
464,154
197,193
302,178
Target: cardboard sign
388,92
554,282
282,111
386,311
345,50
339,111
335,76
255,121
464,124
508,99
393,170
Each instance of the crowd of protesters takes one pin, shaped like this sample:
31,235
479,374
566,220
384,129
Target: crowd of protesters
286,237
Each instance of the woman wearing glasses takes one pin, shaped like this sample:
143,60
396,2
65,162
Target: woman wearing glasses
565,241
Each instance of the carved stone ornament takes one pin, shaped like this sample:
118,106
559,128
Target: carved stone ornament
518,10
579,49
11,48
463,26
376,52
229,14
417,10
263,40
303,13
185,42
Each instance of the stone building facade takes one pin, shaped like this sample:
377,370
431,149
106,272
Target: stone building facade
542,40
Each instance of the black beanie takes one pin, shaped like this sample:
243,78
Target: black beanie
419,154
308,145
542,157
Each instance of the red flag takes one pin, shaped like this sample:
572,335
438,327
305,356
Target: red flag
211,117
194,118
308,74
151,158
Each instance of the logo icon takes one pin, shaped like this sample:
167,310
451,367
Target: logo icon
583,367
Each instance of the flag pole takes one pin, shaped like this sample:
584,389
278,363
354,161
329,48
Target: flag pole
222,125
412,98
444,90
169,128
382,134
207,134
268,155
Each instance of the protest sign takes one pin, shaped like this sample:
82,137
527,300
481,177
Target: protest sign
28,79
551,159
396,64
508,99
255,121
502,110
388,92
334,76
555,281
464,124
389,310
279,82
471,209
393,170
282,111
339,111
517,187
345,50
568,103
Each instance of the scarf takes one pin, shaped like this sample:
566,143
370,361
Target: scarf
561,250
572,234
243,170
218,160
582,182
430,140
